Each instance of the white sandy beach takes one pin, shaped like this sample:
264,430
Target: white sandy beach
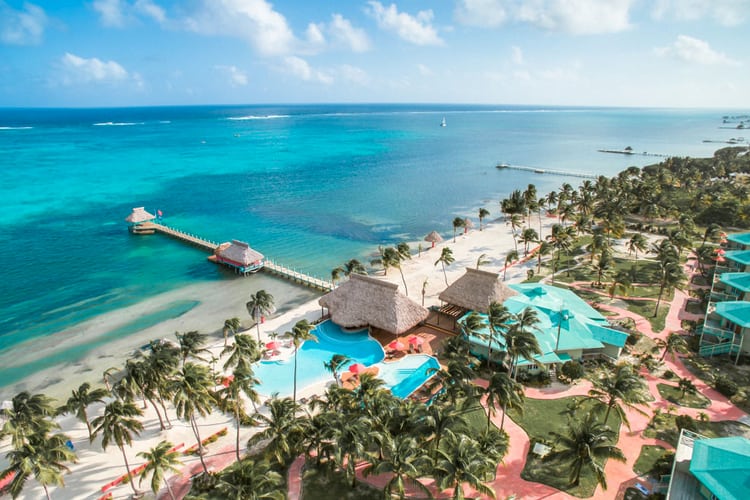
96,468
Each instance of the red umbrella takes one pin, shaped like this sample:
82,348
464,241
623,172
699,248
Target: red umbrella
719,251
414,340
227,380
356,368
273,345
396,345
720,259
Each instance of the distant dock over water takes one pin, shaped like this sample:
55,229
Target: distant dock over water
629,151
236,255
538,170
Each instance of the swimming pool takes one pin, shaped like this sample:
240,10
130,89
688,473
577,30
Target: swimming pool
278,376
407,374
402,377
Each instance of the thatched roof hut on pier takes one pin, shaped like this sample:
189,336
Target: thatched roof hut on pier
137,217
367,301
239,256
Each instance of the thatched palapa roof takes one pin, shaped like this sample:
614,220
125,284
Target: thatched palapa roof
476,289
138,215
364,300
238,252
433,237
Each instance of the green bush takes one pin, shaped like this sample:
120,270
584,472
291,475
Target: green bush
572,370
669,374
694,343
634,337
725,385
663,465
685,422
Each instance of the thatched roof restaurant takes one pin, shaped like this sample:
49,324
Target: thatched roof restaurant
367,301
475,290
139,215
239,256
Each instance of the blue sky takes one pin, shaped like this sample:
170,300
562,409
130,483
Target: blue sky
666,53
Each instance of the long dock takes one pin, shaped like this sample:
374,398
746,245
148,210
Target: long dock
538,170
210,246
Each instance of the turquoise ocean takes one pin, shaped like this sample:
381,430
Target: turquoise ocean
310,186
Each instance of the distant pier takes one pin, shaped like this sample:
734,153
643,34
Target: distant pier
630,152
538,170
148,226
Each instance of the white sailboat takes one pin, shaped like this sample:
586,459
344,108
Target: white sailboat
442,123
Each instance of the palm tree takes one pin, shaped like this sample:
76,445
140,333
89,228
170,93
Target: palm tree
191,396
560,239
504,392
483,212
671,275
509,260
516,221
43,457
260,305
283,430
624,387
249,480
621,282
585,444
300,333
29,414
229,398
107,375
686,385
81,399
230,325
459,461
520,340
482,260
457,222
713,231
603,266
242,353
637,243
353,266
528,235
545,248
403,460
351,435
191,345
159,460
336,362
498,317
446,258
673,344
118,424
424,290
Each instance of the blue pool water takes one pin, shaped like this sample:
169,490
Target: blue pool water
278,376
408,374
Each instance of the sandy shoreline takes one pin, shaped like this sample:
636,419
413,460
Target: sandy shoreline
218,302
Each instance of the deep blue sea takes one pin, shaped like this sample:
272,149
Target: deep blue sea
310,186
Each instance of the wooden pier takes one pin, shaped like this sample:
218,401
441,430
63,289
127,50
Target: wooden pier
538,170
210,246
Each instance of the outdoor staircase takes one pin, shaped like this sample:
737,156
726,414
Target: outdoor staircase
715,349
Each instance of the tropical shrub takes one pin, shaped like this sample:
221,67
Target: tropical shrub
669,374
725,385
572,370
685,422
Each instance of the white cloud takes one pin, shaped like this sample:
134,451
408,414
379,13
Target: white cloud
149,9
342,31
484,13
517,55
253,20
22,27
302,70
424,70
578,17
111,12
352,74
82,70
726,12
694,50
315,35
237,77
414,29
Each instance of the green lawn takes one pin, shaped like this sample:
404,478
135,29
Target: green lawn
674,395
319,484
646,309
666,430
540,417
647,459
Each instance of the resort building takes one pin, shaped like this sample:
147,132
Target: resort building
726,327
568,328
365,301
138,217
708,469
239,256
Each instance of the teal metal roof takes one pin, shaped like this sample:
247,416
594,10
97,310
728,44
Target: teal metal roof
723,466
553,298
739,256
609,335
741,238
545,359
737,312
740,281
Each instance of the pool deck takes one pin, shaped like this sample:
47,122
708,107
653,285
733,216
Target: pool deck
432,341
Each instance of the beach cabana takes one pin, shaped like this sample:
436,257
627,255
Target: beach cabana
239,256
137,217
433,237
474,291
367,301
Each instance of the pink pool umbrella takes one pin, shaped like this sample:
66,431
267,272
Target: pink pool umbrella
273,345
227,380
414,340
719,251
356,368
396,345
720,259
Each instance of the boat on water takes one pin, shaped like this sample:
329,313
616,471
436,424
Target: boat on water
442,123
502,165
